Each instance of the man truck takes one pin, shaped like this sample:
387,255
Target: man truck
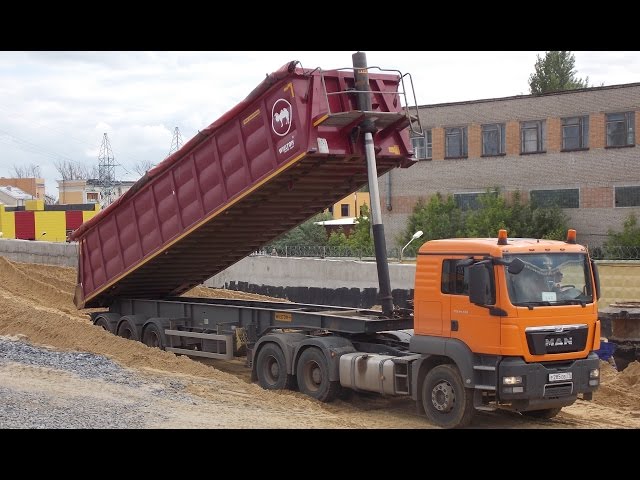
492,326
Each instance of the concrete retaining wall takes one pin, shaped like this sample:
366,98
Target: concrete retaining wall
324,281
348,283
620,281
49,253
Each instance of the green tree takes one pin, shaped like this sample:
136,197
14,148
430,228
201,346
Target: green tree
556,71
492,215
305,234
360,239
628,237
442,218
439,217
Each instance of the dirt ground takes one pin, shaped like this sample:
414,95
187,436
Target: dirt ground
36,307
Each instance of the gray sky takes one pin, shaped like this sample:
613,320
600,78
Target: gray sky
58,105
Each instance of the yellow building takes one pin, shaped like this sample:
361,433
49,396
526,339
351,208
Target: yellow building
37,221
87,191
349,206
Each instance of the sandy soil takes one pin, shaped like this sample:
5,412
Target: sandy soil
36,305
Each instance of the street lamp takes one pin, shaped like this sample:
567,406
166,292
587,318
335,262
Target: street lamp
418,234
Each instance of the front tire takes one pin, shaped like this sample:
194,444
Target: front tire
446,401
313,376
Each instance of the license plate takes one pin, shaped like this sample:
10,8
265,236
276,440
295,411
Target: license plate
555,377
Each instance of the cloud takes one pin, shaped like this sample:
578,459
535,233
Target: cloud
58,105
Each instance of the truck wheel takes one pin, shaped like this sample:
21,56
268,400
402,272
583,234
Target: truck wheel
313,376
445,400
154,336
128,330
105,323
271,368
547,413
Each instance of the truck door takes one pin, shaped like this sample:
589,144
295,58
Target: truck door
468,322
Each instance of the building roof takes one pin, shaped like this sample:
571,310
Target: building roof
338,222
516,97
16,193
94,182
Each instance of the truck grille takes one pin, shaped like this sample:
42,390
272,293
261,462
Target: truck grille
558,389
557,339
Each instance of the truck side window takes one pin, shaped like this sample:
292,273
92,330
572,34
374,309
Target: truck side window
455,279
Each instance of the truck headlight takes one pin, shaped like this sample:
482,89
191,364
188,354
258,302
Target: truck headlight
511,380
595,373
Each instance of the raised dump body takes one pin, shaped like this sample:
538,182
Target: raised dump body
286,152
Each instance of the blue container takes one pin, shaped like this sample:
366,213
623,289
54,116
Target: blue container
606,350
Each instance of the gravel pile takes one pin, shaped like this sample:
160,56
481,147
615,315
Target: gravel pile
33,409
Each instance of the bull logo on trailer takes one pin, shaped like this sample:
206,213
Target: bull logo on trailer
281,117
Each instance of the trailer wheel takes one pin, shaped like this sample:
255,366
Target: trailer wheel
128,330
446,401
546,414
313,376
271,368
154,336
105,323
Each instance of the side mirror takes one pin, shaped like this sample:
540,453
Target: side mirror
481,291
515,266
596,278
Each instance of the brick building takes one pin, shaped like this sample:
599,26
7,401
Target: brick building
575,148
33,186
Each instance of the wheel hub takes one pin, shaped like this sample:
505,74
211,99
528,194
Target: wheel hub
274,369
316,376
443,397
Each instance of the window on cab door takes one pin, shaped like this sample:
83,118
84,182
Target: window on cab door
455,278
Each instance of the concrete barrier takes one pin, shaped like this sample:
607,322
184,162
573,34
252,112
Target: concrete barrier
348,283
325,281
48,253
620,281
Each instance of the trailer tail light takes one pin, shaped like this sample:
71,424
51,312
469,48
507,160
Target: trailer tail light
571,236
502,237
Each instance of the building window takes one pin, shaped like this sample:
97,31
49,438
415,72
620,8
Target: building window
344,209
627,196
532,136
422,146
92,197
575,133
455,142
493,139
565,198
455,278
620,129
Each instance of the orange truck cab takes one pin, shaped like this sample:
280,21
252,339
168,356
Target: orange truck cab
518,318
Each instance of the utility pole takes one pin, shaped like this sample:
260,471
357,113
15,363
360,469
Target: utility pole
176,141
106,171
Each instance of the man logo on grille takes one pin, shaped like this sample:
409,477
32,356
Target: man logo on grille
281,117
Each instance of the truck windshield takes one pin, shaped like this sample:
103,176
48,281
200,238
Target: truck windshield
550,279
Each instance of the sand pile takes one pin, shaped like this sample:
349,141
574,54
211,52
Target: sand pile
619,389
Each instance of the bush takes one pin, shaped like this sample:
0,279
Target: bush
440,217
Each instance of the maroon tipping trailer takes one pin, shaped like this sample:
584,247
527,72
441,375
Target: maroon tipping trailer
289,150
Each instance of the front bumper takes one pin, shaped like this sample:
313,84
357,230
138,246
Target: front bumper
538,391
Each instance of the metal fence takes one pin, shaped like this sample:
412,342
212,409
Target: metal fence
317,251
615,253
